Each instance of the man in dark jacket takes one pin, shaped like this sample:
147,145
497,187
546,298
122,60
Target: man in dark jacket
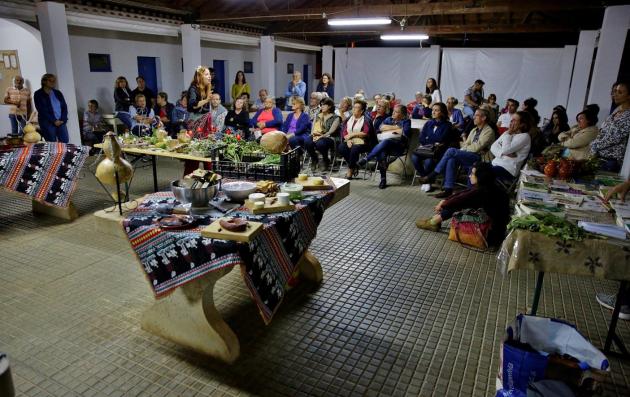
52,110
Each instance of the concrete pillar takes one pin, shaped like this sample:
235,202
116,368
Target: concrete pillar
268,65
612,38
191,50
53,26
327,60
564,83
581,72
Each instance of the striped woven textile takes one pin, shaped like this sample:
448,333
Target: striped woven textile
171,258
46,172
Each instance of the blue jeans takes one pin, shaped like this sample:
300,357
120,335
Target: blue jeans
422,165
52,133
388,147
125,117
451,160
323,145
17,124
297,140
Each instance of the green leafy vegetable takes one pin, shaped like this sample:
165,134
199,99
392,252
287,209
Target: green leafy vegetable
549,225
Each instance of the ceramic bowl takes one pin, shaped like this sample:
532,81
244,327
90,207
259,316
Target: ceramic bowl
238,191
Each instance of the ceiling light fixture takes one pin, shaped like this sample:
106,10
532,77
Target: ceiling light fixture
358,21
407,37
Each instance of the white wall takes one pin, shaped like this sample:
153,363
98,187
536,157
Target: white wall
403,71
298,59
124,48
235,56
516,73
16,35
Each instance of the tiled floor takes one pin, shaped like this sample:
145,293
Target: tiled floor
400,311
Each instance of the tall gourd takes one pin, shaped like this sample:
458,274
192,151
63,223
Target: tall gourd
113,162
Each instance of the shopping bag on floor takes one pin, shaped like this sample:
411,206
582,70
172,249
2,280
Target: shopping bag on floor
537,348
470,227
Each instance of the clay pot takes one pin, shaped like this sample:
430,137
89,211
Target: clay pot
113,162
551,168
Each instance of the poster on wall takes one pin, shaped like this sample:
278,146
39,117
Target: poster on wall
9,68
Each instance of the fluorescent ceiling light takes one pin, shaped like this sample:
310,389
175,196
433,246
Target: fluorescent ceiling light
358,21
415,37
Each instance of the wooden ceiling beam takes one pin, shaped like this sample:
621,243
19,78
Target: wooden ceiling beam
440,8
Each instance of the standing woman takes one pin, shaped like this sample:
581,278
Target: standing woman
610,144
433,90
297,126
355,137
52,110
240,86
199,96
122,100
327,85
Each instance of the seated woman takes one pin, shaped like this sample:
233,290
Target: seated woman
356,136
484,193
455,116
142,117
394,139
512,148
268,118
610,144
577,141
93,127
436,132
559,123
422,110
325,128
237,120
345,109
297,126
381,112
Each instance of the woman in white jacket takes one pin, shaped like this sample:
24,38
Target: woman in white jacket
512,148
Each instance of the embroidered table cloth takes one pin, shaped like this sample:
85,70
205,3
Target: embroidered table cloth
170,258
46,172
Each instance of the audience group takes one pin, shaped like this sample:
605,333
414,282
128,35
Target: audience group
490,141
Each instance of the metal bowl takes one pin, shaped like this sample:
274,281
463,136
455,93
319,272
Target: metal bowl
195,197
238,191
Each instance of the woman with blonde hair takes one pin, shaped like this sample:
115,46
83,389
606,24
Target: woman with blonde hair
199,97
297,126
345,109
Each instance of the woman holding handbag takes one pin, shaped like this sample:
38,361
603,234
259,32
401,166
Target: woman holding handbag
484,194
434,140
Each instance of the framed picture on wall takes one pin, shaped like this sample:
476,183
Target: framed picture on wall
289,68
248,67
100,63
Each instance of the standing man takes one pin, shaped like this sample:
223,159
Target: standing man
296,88
19,97
144,90
52,110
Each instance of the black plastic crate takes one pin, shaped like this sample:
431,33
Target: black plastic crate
287,170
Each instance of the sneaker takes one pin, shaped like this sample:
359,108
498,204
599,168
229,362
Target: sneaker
426,225
426,179
608,301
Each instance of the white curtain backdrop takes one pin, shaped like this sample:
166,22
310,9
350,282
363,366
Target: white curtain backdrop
508,72
378,70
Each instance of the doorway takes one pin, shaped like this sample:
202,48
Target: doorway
148,68
306,79
220,70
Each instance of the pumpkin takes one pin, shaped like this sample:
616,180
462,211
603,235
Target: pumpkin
30,134
274,142
113,163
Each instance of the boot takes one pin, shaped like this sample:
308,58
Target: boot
382,167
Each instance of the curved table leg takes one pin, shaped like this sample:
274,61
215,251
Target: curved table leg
310,268
188,317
